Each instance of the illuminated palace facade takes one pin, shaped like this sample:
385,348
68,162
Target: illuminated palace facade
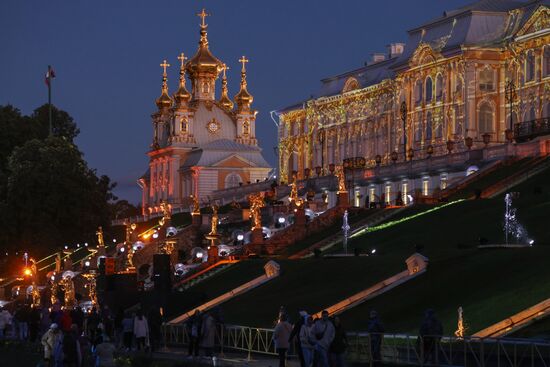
201,143
458,84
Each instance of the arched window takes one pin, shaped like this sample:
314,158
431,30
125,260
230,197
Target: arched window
183,124
418,92
350,84
418,130
439,130
458,86
486,79
246,128
428,135
429,89
546,61
485,118
232,180
530,114
546,113
530,66
439,88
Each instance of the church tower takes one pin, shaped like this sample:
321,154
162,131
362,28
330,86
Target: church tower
245,116
182,113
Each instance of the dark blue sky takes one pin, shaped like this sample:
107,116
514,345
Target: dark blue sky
106,55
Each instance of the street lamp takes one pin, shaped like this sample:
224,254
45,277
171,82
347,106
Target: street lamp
404,119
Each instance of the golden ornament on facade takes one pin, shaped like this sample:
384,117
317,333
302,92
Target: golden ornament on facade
256,204
214,221
341,179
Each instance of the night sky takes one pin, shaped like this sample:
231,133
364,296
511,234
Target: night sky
106,55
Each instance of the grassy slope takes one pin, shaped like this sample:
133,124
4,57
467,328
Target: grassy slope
309,285
490,284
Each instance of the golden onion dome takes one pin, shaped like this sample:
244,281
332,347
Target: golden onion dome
203,62
182,95
164,101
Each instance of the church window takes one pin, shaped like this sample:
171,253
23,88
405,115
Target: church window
232,180
439,88
183,124
418,93
530,66
546,61
428,136
246,128
205,87
429,89
485,118
486,79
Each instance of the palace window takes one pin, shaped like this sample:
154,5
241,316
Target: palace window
425,186
439,88
458,84
232,180
485,119
372,194
418,130
418,93
486,80
429,89
428,136
546,61
530,66
439,129
530,114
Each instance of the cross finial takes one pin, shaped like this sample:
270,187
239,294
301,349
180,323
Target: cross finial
182,58
203,14
243,60
164,65
224,68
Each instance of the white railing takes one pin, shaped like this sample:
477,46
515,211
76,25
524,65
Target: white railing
390,348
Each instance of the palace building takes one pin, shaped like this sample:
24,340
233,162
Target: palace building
200,143
467,81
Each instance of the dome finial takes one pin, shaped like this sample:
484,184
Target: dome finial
164,100
224,99
204,40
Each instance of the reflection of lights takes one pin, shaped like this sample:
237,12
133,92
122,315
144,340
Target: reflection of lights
240,237
282,220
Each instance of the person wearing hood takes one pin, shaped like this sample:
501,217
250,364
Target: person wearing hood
51,340
324,335
307,341
295,336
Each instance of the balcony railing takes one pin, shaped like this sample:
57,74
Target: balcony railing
528,130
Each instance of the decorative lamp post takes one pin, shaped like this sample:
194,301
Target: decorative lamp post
430,150
469,142
410,154
331,168
450,145
378,159
394,156
486,139
404,119
318,170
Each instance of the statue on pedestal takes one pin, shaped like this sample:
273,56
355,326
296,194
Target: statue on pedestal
68,288
100,240
196,206
256,204
341,179
214,221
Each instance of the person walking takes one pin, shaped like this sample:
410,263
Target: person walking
5,322
105,353
34,324
22,316
295,336
72,355
51,341
339,344
430,333
194,325
141,330
155,323
324,335
375,329
127,331
281,337
307,341
208,334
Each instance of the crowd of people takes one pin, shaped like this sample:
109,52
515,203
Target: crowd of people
322,342
78,338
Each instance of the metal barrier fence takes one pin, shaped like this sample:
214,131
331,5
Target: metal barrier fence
370,348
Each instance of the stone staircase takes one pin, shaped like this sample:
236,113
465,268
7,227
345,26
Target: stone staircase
329,242
533,167
204,274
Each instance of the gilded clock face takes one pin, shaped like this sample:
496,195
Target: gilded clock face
213,126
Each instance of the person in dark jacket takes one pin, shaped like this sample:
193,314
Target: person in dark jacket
375,329
295,335
71,348
155,324
194,326
339,344
430,333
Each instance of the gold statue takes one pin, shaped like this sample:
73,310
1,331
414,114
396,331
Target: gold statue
293,189
196,206
256,204
166,210
68,287
34,268
92,293
58,262
53,296
130,228
214,221
341,179
35,295
99,234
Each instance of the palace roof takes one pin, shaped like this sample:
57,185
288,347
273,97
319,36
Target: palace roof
210,154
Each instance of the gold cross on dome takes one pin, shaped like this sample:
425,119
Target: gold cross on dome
164,65
243,60
181,58
224,68
203,14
